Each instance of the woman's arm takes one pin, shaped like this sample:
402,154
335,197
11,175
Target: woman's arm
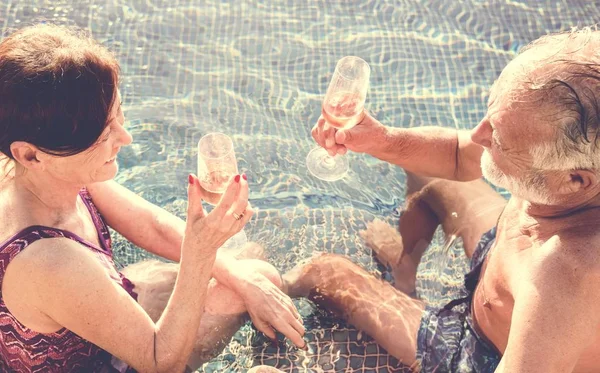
153,228
160,232
67,284
139,221
74,291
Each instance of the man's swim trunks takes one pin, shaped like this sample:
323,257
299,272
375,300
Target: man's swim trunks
447,341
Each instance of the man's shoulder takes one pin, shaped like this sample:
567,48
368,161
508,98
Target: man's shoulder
580,237
575,251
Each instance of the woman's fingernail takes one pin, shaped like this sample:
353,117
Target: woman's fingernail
190,179
237,178
245,177
305,348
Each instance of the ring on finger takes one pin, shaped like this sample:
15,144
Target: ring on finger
238,216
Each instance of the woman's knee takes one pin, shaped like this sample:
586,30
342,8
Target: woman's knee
266,269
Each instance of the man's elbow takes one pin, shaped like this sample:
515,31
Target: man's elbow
468,164
468,173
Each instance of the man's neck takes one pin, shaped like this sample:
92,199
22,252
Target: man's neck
560,208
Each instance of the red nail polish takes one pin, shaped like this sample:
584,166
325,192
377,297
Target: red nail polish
237,178
245,177
190,179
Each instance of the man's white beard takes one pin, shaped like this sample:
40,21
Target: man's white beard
531,189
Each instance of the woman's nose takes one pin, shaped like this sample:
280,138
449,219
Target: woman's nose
125,137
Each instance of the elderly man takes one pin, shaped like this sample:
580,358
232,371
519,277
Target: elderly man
531,302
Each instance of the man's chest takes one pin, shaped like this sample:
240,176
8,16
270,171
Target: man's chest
504,270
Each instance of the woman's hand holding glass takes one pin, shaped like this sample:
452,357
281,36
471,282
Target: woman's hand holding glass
228,218
216,165
269,308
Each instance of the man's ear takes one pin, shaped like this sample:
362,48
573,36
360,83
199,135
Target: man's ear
578,180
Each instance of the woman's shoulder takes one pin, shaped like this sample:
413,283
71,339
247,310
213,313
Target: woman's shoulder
55,255
48,263
45,284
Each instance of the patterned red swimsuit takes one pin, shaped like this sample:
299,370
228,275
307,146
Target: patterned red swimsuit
23,350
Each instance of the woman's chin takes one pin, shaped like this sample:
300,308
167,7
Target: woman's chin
109,171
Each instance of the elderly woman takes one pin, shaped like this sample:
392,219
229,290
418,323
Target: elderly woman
64,307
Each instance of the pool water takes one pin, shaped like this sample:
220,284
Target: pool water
257,70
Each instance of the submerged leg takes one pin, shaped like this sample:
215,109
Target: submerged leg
402,250
465,209
391,317
264,369
224,310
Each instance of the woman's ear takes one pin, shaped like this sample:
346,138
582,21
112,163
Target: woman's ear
25,154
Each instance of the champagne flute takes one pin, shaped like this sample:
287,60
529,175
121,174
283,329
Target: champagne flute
343,108
216,165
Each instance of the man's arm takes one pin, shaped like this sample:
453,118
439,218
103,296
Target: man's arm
556,315
429,151
432,151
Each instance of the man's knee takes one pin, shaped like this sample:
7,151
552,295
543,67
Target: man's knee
331,266
334,260
264,369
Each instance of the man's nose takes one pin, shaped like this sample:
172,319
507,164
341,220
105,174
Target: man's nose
482,134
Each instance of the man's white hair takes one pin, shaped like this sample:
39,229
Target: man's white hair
560,156
576,55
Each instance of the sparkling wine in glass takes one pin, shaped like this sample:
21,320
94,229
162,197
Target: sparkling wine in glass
343,108
216,165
